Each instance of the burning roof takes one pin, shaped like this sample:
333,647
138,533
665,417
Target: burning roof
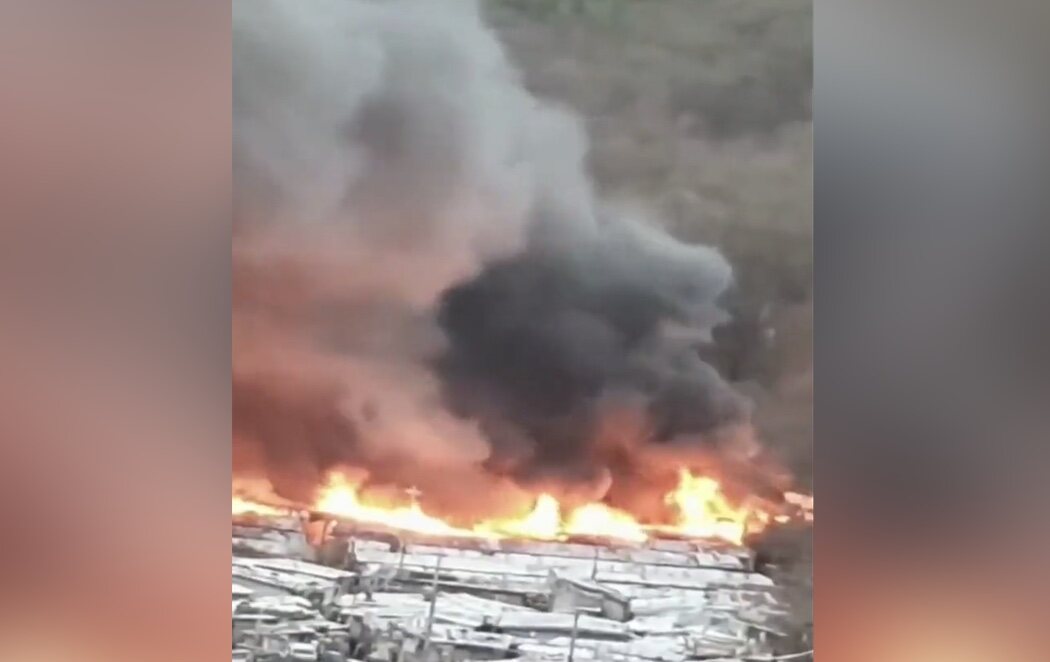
697,508
428,293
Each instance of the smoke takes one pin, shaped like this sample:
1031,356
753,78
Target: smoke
425,285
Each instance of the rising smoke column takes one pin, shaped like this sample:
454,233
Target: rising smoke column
425,285
578,359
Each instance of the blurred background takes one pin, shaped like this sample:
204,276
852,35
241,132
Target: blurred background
115,421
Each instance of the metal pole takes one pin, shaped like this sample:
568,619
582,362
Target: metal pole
433,605
575,630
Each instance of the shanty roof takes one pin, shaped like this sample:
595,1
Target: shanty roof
241,591
296,567
249,572
682,600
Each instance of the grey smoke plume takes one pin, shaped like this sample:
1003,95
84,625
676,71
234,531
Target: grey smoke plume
425,285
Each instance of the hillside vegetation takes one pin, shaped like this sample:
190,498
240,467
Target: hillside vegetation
699,110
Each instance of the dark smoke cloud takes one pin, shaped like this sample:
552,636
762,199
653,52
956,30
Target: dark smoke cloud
544,344
425,285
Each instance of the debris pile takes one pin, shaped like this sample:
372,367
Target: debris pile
413,599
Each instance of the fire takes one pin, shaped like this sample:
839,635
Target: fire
704,512
597,519
804,502
698,506
340,497
242,506
543,522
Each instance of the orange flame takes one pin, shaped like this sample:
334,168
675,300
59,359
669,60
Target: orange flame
597,519
242,506
700,509
543,522
704,512
340,497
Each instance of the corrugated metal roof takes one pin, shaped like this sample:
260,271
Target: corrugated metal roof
682,599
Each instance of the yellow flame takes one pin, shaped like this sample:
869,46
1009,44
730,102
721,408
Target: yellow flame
340,497
704,512
243,506
542,522
700,508
597,519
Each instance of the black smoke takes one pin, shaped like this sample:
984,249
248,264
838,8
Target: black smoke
543,345
426,285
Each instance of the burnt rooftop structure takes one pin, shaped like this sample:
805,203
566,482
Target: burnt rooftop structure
417,599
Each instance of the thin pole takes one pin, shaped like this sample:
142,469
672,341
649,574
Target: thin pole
433,605
575,630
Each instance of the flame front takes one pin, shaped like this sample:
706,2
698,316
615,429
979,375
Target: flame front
543,522
242,506
340,497
698,506
704,512
597,519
